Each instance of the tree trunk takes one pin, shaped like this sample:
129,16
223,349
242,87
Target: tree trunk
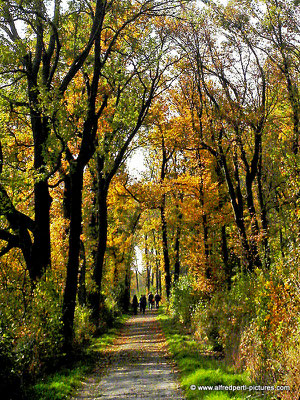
159,283
126,300
293,94
73,258
101,245
225,256
264,217
157,263
157,278
41,249
137,280
148,272
237,206
208,272
164,223
82,274
177,249
165,248
254,225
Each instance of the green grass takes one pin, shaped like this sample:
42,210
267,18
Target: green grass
63,383
58,386
203,370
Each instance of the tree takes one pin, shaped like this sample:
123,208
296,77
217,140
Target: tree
276,33
123,222
142,80
232,101
34,66
48,57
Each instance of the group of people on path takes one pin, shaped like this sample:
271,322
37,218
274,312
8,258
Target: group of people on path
143,302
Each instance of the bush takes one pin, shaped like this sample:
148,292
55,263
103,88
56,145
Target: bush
205,323
9,380
270,345
184,299
30,335
256,324
83,327
40,342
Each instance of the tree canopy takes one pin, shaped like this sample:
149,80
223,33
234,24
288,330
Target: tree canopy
210,93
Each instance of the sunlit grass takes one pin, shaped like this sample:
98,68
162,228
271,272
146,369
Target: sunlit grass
60,385
202,370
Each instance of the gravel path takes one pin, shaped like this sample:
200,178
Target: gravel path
139,366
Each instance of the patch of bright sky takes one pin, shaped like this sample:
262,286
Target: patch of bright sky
136,163
138,259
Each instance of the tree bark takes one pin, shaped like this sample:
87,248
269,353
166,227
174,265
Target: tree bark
177,248
101,243
148,271
237,206
127,282
70,292
82,275
225,256
165,248
264,216
164,223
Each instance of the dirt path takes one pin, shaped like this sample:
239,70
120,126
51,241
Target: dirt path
139,367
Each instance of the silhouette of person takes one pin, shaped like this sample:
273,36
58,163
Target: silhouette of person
150,300
157,299
135,304
143,303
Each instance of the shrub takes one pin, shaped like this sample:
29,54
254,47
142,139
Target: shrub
30,333
205,323
39,340
218,320
83,327
271,343
256,323
184,299
9,379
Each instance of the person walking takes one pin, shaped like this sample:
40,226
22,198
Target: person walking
157,299
135,304
150,300
143,303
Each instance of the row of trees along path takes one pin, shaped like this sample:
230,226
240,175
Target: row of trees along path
136,366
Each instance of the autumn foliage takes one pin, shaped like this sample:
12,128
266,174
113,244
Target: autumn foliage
210,95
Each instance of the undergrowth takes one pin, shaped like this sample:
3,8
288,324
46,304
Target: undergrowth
69,377
199,368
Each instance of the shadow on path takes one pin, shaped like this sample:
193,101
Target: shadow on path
138,367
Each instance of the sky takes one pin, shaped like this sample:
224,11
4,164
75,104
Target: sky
135,164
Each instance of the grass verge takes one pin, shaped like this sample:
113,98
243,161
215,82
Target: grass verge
204,376
63,383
